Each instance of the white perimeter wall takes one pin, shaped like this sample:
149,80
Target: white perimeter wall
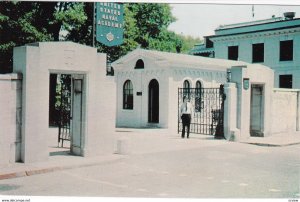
285,111
281,107
10,118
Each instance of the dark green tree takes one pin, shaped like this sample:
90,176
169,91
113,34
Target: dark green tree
188,43
27,22
152,19
81,31
19,24
145,25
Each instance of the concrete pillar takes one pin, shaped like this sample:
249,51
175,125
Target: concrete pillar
5,119
15,146
173,105
230,113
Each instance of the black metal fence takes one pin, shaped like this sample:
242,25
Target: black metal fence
208,110
64,133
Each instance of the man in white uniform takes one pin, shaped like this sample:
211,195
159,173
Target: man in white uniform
186,111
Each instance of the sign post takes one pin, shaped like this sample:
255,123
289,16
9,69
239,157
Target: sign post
109,23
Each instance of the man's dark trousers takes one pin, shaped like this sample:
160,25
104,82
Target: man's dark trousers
186,122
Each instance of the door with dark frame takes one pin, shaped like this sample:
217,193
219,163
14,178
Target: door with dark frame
256,111
153,102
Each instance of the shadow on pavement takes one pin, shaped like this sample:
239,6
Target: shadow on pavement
60,153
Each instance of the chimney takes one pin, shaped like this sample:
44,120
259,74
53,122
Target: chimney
289,15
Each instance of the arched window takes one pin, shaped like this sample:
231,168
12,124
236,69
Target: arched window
198,88
186,88
198,97
128,95
139,64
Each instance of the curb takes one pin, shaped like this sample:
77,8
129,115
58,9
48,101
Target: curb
42,171
270,144
30,172
13,175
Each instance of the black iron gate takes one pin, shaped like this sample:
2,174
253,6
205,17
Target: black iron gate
208,110
64,96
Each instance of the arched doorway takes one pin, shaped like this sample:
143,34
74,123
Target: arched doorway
153,102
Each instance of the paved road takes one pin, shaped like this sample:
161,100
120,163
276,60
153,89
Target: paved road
229,170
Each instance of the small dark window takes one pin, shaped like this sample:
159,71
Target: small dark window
233,52
139,64
286,81
128,95
286,50
258,52
209,43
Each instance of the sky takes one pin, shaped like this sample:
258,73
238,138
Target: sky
200,20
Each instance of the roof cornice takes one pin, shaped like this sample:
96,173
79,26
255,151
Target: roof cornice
255,34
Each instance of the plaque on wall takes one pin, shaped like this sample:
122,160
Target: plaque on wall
246,83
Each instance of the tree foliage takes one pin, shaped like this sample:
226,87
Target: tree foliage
27,22
152,19
145,26
189,42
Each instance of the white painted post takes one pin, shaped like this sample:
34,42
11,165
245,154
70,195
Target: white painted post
122,146
298,111
230,113
227,108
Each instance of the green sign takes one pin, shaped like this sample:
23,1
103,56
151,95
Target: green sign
109,23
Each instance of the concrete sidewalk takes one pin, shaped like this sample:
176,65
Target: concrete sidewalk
277,140
132,142
67,161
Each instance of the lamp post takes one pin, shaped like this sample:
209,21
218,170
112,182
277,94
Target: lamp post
228,75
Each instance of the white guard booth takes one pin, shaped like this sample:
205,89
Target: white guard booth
148,82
